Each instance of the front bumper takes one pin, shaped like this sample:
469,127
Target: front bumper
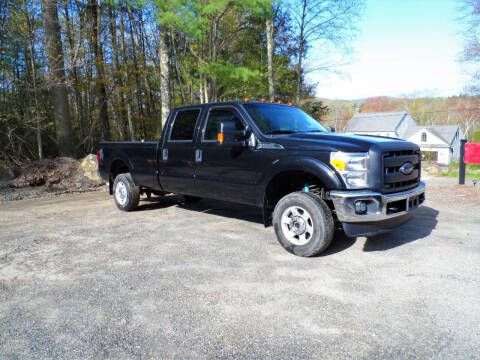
384,212
380,207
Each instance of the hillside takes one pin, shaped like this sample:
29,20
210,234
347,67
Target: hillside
457,110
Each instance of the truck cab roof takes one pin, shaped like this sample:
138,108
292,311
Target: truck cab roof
228,103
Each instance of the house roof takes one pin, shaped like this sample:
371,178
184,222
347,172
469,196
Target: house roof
444,132
384,121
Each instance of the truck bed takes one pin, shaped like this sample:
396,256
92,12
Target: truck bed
141,157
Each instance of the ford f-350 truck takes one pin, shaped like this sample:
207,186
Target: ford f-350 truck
308,180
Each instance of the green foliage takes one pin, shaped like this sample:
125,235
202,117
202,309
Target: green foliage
316,109
216,52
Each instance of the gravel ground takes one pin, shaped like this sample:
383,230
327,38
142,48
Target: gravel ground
81,280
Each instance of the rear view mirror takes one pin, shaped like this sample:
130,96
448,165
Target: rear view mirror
229,135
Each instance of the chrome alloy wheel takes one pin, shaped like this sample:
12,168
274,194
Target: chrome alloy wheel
297,225
121,193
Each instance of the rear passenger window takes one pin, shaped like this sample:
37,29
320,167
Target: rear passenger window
184,125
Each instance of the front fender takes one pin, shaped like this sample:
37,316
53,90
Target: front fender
299,163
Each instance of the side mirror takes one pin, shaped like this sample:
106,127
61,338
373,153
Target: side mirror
330,129
228,135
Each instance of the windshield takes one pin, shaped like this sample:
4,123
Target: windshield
281,119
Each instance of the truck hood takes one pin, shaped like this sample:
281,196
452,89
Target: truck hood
341,142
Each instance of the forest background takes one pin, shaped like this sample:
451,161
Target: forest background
75,72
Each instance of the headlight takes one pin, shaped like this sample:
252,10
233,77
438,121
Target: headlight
352,167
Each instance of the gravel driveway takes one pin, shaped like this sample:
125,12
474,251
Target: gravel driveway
80,279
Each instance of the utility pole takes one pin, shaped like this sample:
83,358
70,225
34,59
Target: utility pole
461,173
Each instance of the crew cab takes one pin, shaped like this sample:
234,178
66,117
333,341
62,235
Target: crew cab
309,181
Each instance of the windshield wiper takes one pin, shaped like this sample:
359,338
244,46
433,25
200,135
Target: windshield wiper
309,131
275,132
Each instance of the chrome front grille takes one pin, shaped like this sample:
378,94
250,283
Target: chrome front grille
393,179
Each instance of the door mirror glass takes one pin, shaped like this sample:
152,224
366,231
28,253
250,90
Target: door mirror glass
330,129
229,135
216,116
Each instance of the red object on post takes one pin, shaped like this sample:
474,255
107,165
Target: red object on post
472,153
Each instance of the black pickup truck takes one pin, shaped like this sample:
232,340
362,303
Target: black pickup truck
307,180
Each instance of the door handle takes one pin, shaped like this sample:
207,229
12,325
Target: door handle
165,154
198,155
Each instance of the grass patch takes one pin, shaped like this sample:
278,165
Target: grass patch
472,171
470,167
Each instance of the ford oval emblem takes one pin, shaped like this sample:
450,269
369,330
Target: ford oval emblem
406,168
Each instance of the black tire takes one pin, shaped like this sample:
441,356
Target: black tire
132,193
191,199
320,217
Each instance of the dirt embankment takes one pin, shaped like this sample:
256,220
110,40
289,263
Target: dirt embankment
50,177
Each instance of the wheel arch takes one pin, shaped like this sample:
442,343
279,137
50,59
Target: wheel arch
307,165
291,175
118,166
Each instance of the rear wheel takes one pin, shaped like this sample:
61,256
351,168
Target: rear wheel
303,224
125,193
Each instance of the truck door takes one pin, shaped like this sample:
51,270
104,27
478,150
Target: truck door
225,172
177,157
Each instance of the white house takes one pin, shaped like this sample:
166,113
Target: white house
438,143
392,124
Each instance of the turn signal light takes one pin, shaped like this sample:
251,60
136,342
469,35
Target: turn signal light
220,138
247,99
338,164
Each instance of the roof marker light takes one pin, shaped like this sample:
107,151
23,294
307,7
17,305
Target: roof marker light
272,101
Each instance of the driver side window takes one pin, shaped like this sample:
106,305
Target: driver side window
215,117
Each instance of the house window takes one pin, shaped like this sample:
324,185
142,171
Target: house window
424,137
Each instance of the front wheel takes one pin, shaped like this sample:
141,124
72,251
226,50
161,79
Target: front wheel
303,224
125,193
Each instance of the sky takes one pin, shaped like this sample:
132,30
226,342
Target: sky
405,47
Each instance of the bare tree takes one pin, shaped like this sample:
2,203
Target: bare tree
54,50
94,8
470,55
165,73
131,125
325,21
31,37
270,49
